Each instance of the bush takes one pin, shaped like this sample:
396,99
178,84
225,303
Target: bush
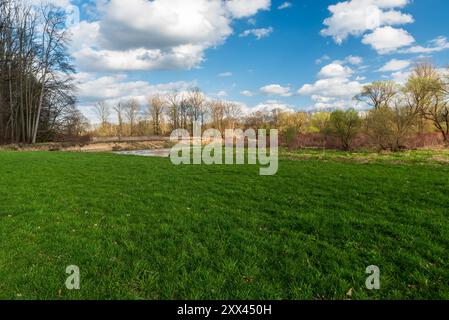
290,136
345,125
389,128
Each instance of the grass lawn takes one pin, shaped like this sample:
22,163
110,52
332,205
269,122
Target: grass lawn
141,228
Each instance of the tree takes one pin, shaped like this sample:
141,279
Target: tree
184,113
378,94
132,110
404,122
217,112
232,112
119,110
173,102
345,125
198,108
294,121
35,83
426,93
103,113
390,120
380,127
259,120
319,121
156,108
74,123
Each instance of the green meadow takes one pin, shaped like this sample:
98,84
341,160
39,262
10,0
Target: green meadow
142,228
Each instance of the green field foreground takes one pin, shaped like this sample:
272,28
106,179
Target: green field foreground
141,228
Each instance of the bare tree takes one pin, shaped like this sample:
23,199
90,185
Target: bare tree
74,123
119,110
35,70
217,112
156,108
173,101
233,112
198,108
185,112
103,113
132,110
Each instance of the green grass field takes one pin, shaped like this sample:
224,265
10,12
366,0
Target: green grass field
141,228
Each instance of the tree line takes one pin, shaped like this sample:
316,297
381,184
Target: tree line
398,112
166,112
37,95
395,113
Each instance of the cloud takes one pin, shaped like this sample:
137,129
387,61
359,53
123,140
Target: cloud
285,5
337,105
401,77
117,87
355,17
436,45
374,20
162,24
183,57
335,70
258,33
388,39
322,59
269,106
395,65
252,21
354,60
247,93
246,8
276,89
334,89
161,34
225,74
222,93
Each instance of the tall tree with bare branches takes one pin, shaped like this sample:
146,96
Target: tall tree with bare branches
119,110
35,83
198,107
132,111
173,101
156,107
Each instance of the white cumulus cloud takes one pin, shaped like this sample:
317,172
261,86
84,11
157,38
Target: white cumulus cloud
335,70
355,17
246,8
276,89
388,39
395,65
335,87
159,34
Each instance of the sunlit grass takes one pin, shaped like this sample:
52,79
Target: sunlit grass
141,228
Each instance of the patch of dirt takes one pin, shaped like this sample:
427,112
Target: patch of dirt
91,147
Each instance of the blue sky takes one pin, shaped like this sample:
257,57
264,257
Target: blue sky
299,54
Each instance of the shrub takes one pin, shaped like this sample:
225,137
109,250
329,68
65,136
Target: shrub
290,137
344,125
